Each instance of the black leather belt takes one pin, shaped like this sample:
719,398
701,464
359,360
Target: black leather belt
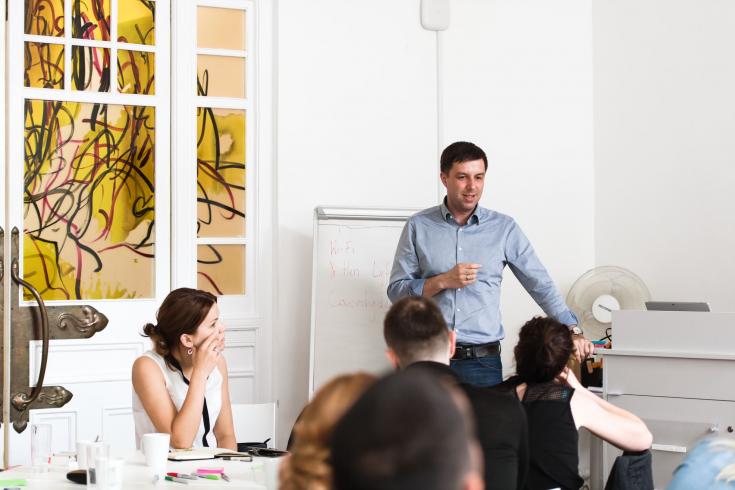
472,351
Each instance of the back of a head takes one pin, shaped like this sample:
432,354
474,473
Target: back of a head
544,348
415,330
406,432
309,461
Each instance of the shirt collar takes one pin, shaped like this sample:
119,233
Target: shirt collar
478,215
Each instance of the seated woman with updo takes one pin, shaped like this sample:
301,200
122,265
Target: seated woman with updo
557,405
180,386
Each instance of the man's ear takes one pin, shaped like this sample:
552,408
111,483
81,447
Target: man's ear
443,178
452,342
392,357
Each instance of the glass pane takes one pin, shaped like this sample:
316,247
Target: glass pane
135,72
220,172
221,269
90,69
221,76
90,19
89,209
44,65
45,17
220,28
136,21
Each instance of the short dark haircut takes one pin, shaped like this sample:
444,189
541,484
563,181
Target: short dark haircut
460,152
407,432
544,348
414,329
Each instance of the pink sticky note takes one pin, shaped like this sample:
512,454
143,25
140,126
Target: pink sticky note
210,471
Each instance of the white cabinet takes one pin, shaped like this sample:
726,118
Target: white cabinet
673,370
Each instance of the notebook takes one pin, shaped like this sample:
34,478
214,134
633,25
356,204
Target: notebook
206,453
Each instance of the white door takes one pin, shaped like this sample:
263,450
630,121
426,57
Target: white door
87,184
97,152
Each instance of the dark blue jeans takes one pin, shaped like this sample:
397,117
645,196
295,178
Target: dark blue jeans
480,371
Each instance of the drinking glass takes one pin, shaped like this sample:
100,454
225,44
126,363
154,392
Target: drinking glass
40,447
95,452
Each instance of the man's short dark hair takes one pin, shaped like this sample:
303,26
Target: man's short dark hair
407,432
460,152
414,329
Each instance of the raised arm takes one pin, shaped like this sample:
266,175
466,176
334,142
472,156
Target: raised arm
150,386
608,422
224,429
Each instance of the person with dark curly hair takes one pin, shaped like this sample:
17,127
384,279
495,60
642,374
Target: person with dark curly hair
180,386
557,405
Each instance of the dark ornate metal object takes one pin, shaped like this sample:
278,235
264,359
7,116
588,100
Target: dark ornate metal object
91,321
30,323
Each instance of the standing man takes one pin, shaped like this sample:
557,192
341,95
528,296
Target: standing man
455,253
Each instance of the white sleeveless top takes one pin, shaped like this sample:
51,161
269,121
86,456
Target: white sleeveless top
177,388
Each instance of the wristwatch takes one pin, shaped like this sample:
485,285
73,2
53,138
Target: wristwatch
576,330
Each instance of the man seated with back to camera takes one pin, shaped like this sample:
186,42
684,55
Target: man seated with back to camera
418,339
407,432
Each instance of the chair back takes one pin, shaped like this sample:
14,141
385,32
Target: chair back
254,422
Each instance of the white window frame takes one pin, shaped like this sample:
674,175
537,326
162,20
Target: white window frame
161,102
251,312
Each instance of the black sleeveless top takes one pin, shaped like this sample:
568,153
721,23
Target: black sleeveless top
552,436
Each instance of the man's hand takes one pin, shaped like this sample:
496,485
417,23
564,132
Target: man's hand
460,275
583,348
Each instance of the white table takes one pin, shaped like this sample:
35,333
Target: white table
246,475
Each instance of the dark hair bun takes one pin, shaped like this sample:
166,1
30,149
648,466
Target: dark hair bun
544,348
162,348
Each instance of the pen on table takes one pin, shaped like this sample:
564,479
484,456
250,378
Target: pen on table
209,477
176,479
181,475
226,478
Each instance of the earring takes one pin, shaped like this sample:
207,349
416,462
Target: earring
190,351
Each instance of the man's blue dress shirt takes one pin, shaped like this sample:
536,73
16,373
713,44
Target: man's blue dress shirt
432,242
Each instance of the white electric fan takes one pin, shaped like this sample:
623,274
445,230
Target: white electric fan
600,291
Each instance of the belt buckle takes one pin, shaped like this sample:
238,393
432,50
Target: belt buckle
468,352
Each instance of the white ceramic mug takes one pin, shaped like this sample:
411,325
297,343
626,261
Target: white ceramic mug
155,449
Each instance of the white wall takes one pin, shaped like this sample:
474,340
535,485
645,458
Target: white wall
357,126
519,84
664,147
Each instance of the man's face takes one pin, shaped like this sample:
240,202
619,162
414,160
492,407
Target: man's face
464,184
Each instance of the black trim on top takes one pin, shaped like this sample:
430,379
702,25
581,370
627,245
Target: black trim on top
205,411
